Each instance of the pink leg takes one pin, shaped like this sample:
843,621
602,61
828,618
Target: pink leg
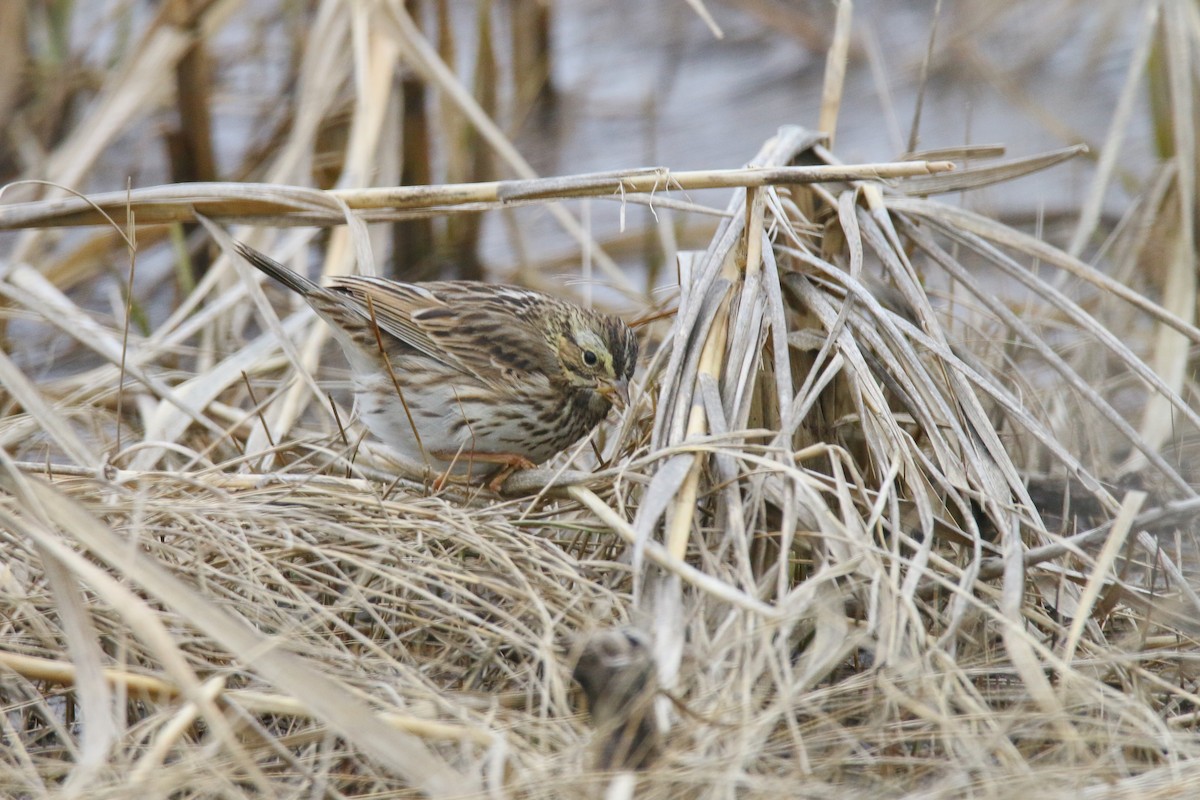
509,463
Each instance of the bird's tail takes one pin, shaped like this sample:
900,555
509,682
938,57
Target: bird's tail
289,278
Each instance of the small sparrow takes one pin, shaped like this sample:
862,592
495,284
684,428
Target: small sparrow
471,377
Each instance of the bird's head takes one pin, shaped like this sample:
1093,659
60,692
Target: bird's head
599,353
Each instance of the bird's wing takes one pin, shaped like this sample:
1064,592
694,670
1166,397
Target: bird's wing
392,305
463,325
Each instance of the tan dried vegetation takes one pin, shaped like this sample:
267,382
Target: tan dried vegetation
903,506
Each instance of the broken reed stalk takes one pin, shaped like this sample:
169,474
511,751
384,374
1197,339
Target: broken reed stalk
712,359
180,202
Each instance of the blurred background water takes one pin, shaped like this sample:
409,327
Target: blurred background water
646,82
631,83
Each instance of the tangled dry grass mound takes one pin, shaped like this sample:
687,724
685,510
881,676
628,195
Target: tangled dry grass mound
904,505
857,537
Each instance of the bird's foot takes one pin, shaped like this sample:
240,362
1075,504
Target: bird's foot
509,463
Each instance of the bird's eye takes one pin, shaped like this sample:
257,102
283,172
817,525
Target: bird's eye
590,358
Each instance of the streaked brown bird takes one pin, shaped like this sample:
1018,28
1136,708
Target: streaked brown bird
468,377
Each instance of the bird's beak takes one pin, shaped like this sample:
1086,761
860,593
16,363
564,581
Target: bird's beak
617,393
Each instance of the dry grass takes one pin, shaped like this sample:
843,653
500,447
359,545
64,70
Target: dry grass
905,504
